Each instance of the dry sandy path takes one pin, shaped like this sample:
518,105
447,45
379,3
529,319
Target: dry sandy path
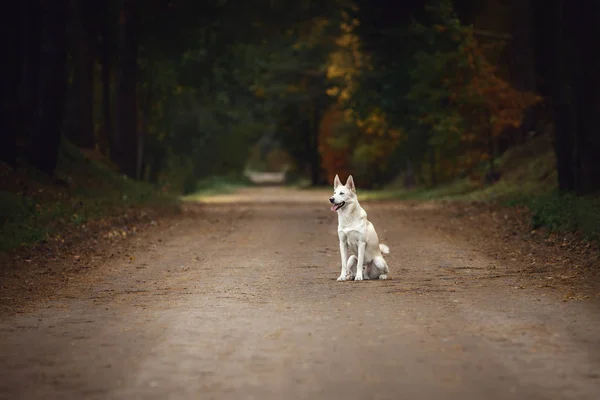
240,301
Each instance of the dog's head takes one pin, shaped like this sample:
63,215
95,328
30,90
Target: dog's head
342,194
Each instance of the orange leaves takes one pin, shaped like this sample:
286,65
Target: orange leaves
395,134
487,102
375,124
335,160
478,99
259,92
345,139
346,61
347,143
292,89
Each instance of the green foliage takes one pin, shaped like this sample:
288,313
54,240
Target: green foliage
439,89
394,93
565,213
94,192
215,185
225,97
558,213
528,179
16,215
431,123
456,190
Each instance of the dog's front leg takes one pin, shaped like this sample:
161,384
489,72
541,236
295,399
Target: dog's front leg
361,259
344,253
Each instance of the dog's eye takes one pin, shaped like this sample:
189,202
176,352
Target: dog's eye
341,193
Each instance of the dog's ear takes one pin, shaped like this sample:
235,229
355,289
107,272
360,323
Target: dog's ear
350,184
336,182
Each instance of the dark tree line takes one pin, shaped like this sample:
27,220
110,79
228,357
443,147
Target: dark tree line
34,85
52,53
550,50
573,83
556,40
93,72
56,54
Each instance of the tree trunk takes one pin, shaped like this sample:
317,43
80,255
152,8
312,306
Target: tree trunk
492,176
559,90
316,177
575,84
145,106
81,128
156,153
139,167
409,175
433,166
13,45
155,166
524,63
126,102
31,76
491,154
587,141
45,137
107,138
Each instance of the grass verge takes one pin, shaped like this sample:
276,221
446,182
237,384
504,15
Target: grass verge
34,207
216,185
528,179
563,213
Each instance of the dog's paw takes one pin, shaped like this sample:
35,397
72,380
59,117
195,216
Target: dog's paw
341,278
382,277
358,278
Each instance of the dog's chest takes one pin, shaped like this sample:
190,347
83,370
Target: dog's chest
351,229
351,236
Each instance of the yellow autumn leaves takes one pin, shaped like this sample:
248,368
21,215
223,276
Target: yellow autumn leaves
346,64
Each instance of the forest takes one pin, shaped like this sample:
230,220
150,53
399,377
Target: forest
141,257
173,91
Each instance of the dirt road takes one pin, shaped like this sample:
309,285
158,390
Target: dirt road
239,301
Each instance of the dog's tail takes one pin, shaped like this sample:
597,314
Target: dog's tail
384,249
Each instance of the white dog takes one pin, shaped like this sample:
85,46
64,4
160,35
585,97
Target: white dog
357,236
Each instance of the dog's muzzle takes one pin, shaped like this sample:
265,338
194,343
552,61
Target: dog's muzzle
337,206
